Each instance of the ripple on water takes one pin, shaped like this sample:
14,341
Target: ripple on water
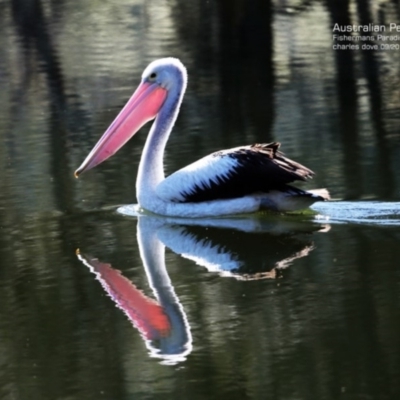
360,212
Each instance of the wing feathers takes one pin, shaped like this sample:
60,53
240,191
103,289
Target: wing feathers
233,173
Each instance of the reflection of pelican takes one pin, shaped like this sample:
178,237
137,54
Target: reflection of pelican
243,248
229,253
163,324
240,180
247,247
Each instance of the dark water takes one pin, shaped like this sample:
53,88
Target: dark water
301,306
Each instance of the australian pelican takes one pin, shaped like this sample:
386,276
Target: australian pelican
239,180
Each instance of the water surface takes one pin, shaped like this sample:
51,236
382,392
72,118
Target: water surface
268,306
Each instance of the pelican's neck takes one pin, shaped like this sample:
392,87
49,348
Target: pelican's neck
151,167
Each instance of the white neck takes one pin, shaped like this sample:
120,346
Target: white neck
151,167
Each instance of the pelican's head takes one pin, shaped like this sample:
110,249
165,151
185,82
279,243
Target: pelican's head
162,79
167,73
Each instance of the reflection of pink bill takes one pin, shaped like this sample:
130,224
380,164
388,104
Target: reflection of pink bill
145,313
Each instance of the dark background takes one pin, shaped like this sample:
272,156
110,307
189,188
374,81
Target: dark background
259,71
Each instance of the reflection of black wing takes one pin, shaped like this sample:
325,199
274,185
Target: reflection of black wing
236,253
233,173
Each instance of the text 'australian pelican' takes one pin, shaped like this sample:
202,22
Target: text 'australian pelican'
240,180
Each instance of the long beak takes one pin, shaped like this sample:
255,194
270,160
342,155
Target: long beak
142,107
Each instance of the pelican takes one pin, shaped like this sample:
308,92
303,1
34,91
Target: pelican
239,180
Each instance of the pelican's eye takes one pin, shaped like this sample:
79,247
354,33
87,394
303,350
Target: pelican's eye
153,76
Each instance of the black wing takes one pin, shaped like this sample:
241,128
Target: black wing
233,173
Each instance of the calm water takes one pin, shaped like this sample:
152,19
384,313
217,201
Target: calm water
286,307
